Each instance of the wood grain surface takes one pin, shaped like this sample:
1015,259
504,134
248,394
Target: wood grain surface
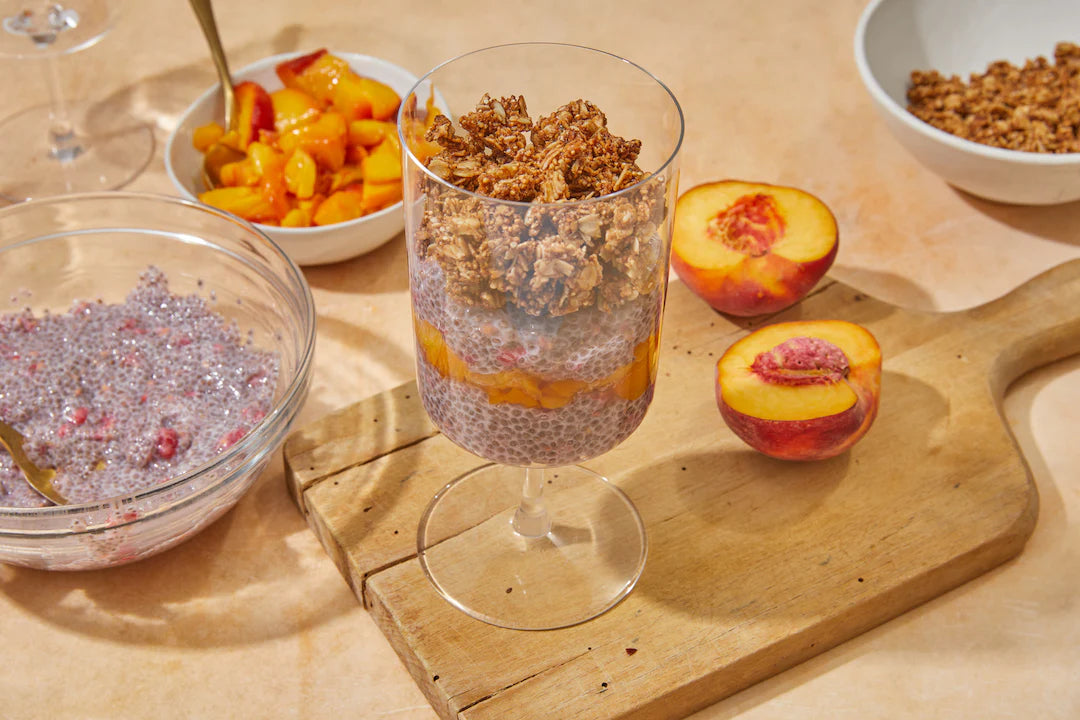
755,564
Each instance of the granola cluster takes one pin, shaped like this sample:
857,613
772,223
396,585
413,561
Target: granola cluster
1035,108
545,258
568,155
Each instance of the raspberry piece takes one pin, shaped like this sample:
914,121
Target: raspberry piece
231,438
167,440
256,378
510,356
253,413
78,415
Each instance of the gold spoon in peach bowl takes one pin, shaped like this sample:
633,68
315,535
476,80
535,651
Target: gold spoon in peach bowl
39,478
217,155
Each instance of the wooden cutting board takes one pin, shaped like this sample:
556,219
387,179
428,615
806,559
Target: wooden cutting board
755,564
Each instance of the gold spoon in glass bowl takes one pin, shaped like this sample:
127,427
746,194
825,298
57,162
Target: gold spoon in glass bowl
217,155
39,478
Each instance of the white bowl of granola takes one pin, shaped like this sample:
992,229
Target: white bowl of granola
1008,134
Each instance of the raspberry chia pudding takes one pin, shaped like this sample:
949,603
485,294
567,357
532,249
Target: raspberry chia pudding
120,398
537,320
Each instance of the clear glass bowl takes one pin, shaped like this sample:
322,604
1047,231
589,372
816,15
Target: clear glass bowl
93,246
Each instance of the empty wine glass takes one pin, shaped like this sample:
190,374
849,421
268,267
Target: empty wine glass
64,147
537,325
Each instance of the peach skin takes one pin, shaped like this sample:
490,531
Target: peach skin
255,112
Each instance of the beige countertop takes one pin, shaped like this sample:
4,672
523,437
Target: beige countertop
251,619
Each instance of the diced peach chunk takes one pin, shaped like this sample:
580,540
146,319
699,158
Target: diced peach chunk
384,162
271,167
240,173
346,176
300,173
246,202
350,97
297,217
293,107
384,101
370,132
323,139
342,206
255,111
319,77
355,154
206,135
290,72
375,196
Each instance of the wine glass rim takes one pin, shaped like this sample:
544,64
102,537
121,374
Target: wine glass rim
562,203
105,26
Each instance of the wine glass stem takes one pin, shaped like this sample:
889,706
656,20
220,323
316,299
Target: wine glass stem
64,144
531,519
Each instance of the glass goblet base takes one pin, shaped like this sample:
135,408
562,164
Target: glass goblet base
103,151
573,565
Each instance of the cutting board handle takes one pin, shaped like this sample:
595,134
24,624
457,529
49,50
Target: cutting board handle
1035,325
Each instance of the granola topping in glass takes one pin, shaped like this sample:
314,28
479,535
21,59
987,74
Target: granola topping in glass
542,260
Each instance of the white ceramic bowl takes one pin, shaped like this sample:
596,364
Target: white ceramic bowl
959,37
306,246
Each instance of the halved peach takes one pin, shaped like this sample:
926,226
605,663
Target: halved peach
750,248
804,390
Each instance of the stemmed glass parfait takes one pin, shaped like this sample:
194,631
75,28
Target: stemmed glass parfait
538,261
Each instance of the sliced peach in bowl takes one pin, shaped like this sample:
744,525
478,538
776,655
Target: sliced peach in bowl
751,248
384,101
328,145
293,107
255,112
804,390
315,73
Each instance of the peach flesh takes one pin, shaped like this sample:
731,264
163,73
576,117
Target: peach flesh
801,391
751,249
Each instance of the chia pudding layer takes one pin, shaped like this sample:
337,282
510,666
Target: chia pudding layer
120,398
525,390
